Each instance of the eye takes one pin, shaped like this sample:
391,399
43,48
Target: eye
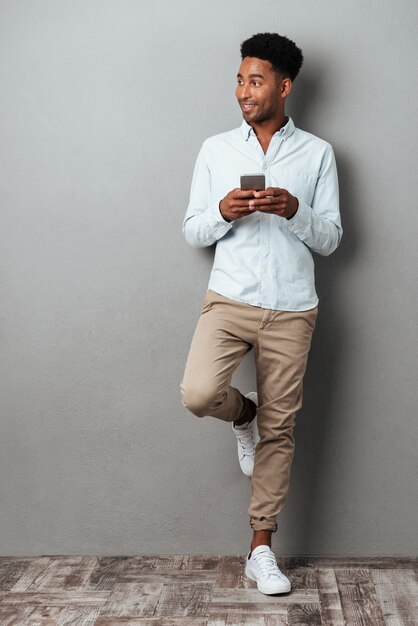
256,83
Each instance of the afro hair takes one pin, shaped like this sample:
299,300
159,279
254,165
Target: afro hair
285,57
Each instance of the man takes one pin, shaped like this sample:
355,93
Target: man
261,291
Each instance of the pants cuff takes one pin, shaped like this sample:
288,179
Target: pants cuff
263,523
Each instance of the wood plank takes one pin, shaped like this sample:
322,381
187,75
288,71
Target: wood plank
252,601
11,572
346,562
53,598
37,567
275,620
112,570
76,614
397,593
106,573
47,615
200,562
16,616
358,598
159,563
132,600
232,619
172,576
200,569
301,577
230,573
64,573
184,599
242,595
303,615
329,597
77,577
149,621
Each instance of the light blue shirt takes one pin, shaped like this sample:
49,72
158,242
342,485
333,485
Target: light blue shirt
263,259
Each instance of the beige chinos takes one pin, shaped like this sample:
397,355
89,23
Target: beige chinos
225,332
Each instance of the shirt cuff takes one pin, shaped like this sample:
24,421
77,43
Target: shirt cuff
300,221
217,220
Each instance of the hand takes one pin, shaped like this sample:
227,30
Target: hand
282,203
235,204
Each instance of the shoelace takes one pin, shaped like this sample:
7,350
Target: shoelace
246,440
266,561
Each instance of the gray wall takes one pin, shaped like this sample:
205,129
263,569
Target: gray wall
104,105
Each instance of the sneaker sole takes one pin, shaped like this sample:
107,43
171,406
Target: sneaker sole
285,588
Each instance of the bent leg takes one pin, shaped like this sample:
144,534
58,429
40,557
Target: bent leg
219,343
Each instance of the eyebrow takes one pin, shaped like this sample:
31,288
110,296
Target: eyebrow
251,75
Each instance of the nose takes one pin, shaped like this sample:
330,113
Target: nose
245,91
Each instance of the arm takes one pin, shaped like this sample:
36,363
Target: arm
203,223
319,225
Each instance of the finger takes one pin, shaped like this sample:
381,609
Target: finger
246,201
241,205
244,193
243,213
267,201
270,191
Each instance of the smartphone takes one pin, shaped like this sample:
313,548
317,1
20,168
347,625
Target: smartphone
253,181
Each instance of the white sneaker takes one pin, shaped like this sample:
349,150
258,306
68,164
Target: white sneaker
247,439
262,568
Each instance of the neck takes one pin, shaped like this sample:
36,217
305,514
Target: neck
265,130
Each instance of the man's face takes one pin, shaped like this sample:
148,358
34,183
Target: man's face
258,90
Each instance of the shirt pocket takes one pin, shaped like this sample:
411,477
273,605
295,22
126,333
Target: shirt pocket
299,184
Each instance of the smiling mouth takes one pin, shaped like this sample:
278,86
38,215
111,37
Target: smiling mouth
248,107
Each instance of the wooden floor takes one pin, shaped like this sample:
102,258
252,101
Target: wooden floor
204,590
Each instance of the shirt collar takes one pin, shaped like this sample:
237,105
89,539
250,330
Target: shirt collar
285,131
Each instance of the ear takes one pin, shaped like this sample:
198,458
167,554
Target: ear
286,87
